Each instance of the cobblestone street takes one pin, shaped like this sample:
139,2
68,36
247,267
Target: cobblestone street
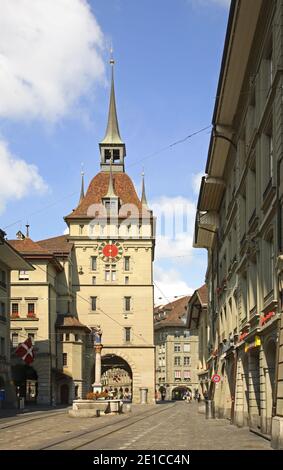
172,426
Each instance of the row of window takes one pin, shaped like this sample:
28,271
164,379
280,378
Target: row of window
16,338
126,265
178,347
66,337
127,304
15,310
177,334
177,361
178,376
110,275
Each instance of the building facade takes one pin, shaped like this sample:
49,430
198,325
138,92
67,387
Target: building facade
10,259
239,221
176,351
99,277
199,327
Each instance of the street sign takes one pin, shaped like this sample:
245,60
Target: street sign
216,378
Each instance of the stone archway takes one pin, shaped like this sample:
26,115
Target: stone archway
116,376
269,375
179,392
26,382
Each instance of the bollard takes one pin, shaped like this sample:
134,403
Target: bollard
97,413
209,409
22,403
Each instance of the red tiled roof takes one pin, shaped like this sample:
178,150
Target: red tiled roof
28,246
203,294
57,245
98,187
175,313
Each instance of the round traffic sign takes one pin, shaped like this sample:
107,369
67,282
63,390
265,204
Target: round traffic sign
216,378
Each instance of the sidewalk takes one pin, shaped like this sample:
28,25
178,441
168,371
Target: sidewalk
7,414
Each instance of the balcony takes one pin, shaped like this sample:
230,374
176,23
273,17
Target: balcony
207,224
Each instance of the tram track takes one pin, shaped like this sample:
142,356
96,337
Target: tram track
124,423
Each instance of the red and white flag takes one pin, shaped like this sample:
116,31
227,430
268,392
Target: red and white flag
25,351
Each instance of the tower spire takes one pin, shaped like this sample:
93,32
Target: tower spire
143,198
112,148
82,195
112,135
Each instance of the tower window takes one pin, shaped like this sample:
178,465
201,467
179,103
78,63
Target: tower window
116,155
93,303
110,272
127,331
93,263
127,304
15,340
65,359
107,155
127,263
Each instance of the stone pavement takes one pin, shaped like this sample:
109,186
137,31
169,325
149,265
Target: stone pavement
172,426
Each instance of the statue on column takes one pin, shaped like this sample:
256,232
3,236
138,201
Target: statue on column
97,345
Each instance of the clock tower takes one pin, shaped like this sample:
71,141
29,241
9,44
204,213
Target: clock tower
112,230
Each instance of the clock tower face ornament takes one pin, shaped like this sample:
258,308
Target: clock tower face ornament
110,251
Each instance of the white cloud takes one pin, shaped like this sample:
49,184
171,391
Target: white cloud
17,178
66,231
50,55
169,285
196,181
175,227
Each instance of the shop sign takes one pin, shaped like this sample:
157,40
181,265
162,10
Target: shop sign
255,344
243,336
266,318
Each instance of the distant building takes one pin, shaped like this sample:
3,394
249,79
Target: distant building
199,326
176,350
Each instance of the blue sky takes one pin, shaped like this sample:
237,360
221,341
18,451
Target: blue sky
167,55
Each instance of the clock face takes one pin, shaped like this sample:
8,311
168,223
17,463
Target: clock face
110,251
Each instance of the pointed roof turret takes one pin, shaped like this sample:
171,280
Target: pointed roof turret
112,148
82,195
112,135
143,198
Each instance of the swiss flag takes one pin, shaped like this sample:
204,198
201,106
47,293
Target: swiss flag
25,351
